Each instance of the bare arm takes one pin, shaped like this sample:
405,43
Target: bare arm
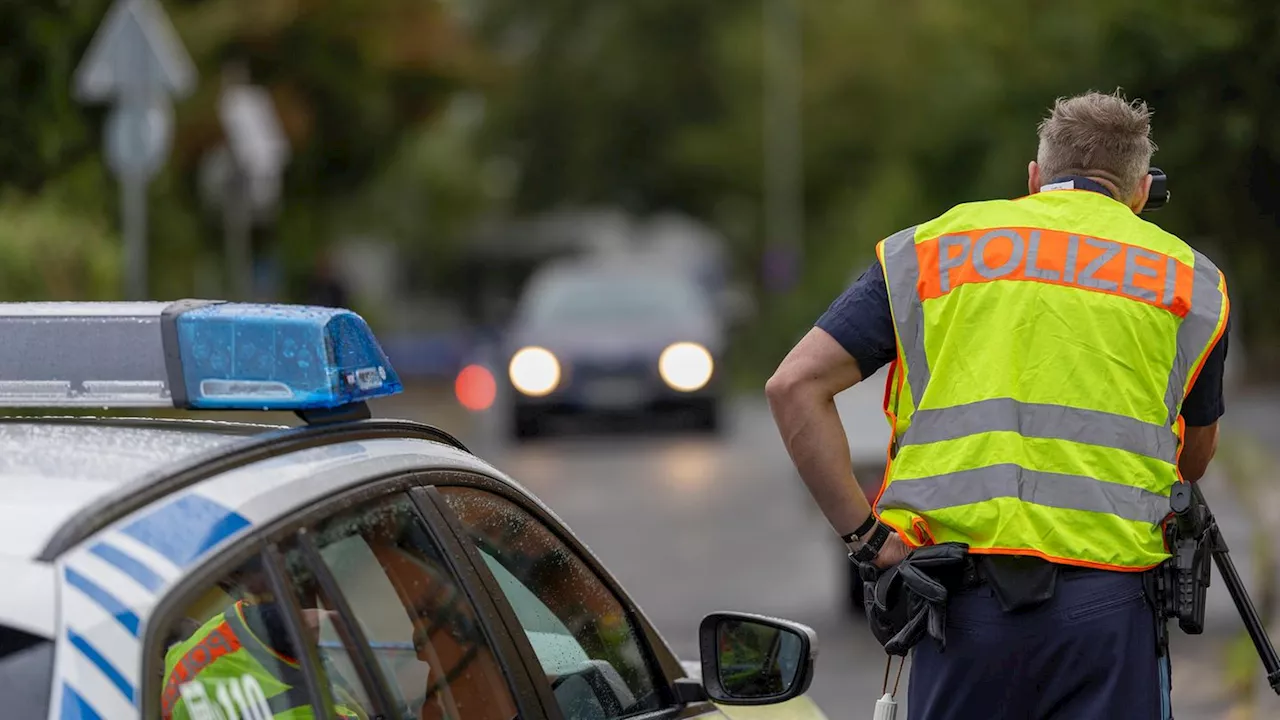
1198,447
800,395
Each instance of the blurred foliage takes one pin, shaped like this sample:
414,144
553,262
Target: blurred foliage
51,253
352,80
410,119
357,84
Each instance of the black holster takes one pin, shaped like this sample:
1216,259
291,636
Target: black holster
1178,590
910,599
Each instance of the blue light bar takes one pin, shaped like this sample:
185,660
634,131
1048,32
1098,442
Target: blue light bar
191,354
280,357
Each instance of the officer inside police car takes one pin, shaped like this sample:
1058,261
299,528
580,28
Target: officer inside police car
1056,365
249,640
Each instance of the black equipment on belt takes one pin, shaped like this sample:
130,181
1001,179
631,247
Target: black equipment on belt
1178,586
910,598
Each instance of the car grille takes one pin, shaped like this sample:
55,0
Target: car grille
600,369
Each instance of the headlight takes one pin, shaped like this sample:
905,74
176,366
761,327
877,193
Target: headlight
534,371
685,366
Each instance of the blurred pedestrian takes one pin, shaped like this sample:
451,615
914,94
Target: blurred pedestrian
1056,367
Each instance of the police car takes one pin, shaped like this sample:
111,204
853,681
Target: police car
346,567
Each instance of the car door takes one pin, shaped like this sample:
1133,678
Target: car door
360,606
596,657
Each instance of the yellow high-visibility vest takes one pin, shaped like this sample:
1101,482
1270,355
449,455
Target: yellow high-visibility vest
1045,346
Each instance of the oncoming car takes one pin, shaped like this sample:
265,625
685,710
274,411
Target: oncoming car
613,338
347,567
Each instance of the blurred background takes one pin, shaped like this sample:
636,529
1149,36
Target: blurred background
562,210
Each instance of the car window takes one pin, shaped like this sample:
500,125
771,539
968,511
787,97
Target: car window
421,625
612,298
229,654
587,644
26,672
325,629
552,640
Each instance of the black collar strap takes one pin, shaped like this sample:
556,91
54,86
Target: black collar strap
1077,182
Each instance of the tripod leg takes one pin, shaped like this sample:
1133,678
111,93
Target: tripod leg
1248,613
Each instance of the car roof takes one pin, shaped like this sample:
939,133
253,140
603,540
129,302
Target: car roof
52,468
604,269
612,272
64,480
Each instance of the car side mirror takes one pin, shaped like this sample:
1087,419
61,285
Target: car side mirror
755,660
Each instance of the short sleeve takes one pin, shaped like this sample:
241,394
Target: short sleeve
860,320
1204,404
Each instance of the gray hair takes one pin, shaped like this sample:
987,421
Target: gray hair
1098,135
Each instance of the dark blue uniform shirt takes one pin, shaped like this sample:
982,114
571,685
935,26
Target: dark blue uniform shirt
861,322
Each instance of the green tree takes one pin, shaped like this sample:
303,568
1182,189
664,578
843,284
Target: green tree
597,95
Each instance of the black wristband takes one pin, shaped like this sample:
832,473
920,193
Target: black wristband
862,529
871,549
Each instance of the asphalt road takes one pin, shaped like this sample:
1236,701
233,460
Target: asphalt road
691,524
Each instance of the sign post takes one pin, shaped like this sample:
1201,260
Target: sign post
137,63
258,151
242,179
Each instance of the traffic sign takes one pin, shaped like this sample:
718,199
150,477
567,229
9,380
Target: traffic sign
137,63
136,52
257,149
253,130
137,138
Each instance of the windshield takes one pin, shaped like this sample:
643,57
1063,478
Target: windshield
613,299
26,673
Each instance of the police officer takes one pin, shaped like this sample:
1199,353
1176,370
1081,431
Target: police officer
1056,366
241,663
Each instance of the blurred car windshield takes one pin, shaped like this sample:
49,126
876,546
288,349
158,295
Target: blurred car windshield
599,299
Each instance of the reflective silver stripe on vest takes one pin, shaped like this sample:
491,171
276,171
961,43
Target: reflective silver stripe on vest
289,700
1196,331
902,272
1068,492
296,695
1092,427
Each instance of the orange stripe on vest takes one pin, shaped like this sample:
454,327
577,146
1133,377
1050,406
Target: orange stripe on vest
1056,258
220,641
